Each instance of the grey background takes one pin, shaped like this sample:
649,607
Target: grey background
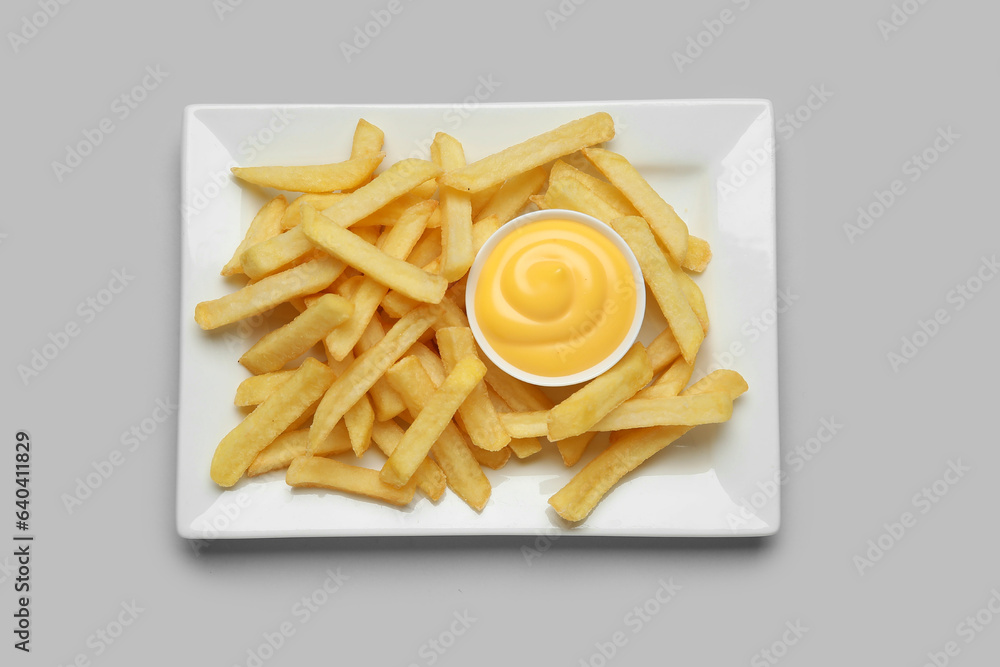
120,209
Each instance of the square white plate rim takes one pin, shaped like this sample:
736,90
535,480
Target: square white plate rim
745,517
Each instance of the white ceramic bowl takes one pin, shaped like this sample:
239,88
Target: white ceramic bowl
596,369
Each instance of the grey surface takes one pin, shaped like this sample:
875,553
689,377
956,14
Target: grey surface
120,209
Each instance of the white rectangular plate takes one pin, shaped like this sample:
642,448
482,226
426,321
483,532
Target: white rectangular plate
712,159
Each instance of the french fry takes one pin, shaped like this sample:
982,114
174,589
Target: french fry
480,199
321,473
294,339
388,403
521,447
698,256
431,421
660,215
396,242
572,449
492,460
313,178
451,451
429,476
238,449
671,383
513,195
368,139
534,152
708,408
589,404
369,260
360,419
290,445
430,361
256,388
265,224
526,424
683,322
478,416
663,350
606,191
274,254
692,293
580,496
366,369
391,184
267,293
456,211
428,249
293,214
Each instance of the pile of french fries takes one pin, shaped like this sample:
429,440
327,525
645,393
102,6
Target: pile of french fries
376,263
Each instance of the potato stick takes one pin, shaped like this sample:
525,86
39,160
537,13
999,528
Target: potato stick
276,253
429,476
429,360
663,350
369,260
589,404
692,293
520,396
660,215
255,389
292,444
313,178
526,424
534,152
396,242
293,214
514,194
492,460
451,451
698,256
431,421
321,473
368,139
710,408
521,447
294,339
606,191
388,403
671,383
571,449
456,211
366,369
360,418
391,184
348,287
428,248
238,449
480,199
663,284
264,225
477,413
579,497
265,294
389,215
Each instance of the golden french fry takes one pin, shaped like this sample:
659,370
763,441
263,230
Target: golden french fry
692,293
663,350
480,199
274,254
589,404
534,152
478,416
313,178
321,473
429,476
526,424
684,324
290,445
431,421
428,249
571,449
521,447
671,383
265,294
368,139
396,242
456,211
294,339
366,369
430,361
391,184
293,214
361,416
580,496
698,256
520,396
238,449
709,408
660,215
492,460
451,451
255,389
369,260
388,403
606,191
265,224
513,195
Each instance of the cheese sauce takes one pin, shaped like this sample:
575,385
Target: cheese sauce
555,297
